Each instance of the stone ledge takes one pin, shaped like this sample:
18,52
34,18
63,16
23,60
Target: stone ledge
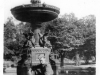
41,49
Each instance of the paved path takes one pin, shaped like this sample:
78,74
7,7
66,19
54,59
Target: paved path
12,71
9,74
81,66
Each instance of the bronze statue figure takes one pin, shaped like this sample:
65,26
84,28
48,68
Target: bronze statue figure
44,42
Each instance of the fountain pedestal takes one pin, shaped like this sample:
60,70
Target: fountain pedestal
36,53
39,52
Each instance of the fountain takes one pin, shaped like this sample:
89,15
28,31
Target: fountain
36,13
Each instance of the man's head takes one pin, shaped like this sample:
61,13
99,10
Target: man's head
42,60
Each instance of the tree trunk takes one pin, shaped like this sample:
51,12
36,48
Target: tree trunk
77,59
62,59
87,57
86,60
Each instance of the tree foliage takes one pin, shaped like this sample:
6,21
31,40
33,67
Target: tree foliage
71,34
66,33
14,38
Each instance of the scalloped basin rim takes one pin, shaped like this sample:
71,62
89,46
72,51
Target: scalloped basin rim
37,6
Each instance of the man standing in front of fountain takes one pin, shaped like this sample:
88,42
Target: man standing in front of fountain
46,66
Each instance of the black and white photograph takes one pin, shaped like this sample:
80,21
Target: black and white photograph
49,37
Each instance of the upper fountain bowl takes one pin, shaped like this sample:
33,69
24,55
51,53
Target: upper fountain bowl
35,13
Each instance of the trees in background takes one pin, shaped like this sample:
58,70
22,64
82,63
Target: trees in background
70,34
14,39
67,34
88,48
9,35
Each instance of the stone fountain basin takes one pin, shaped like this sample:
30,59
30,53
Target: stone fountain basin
35,13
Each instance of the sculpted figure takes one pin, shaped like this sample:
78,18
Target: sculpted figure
44,42
29,40
35,1
37,35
